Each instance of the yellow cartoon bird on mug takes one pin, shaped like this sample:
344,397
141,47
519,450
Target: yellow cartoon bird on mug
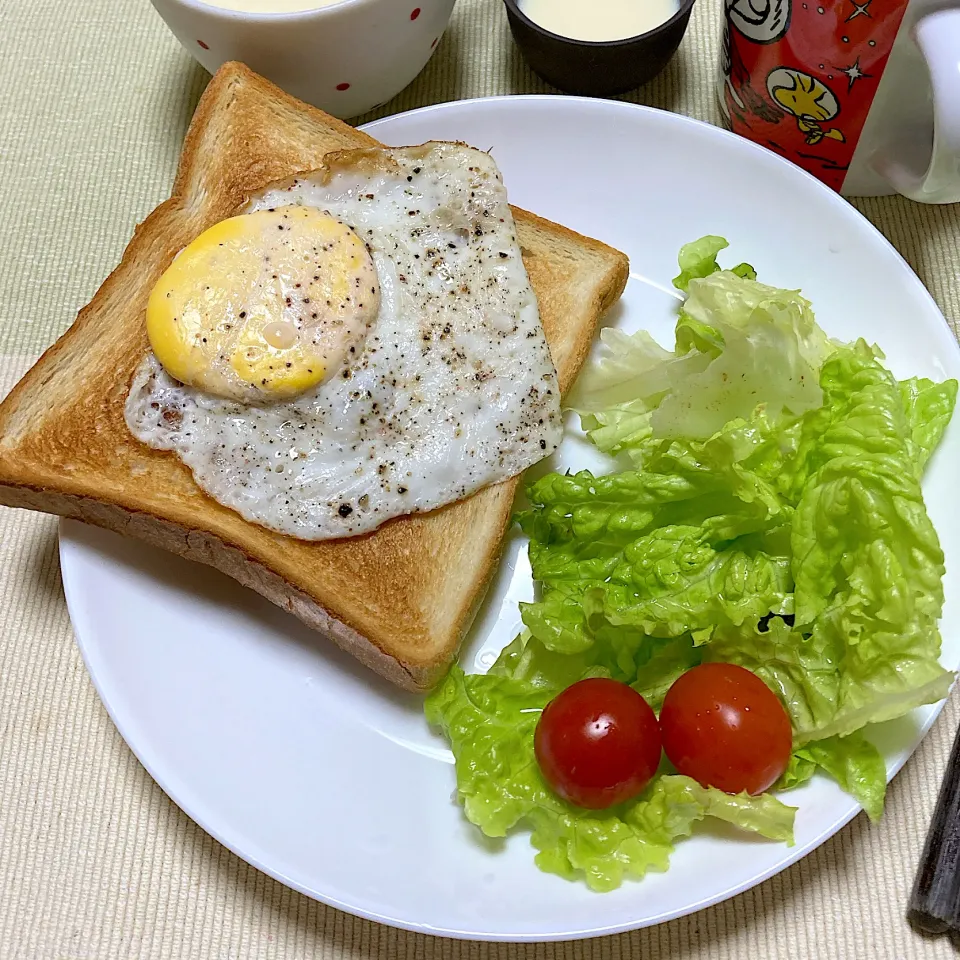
808,99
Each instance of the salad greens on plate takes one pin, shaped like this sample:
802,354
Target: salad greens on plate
765,511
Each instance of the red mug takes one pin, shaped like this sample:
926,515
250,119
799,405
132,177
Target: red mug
863,94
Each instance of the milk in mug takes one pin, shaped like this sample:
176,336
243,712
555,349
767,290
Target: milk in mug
599,20
270,6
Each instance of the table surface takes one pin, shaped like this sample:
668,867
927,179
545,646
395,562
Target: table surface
95,861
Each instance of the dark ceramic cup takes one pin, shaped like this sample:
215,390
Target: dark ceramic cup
597,68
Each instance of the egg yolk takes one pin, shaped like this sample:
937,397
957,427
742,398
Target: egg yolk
265,305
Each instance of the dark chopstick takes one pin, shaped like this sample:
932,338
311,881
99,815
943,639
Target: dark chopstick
935,901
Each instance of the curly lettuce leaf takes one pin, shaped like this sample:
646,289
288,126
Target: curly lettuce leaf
649,664
673,804
659,663
490,720
827,685
800,770
699,259
672,582
928,407
696,540
529,660
853,761
615,396
772,351
866,562
742,349
654,555
866,558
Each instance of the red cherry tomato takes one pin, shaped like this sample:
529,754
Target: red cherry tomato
597,743
725,728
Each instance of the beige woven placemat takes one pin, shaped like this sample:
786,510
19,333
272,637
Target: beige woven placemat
95,861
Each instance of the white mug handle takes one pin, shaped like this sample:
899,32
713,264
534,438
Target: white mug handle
938,37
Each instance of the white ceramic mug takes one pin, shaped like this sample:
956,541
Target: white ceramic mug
345,58
864,94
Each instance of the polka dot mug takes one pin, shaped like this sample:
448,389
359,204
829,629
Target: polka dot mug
344,56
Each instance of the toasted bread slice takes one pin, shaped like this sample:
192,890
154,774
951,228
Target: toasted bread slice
399,598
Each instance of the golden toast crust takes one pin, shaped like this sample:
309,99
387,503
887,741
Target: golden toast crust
399,598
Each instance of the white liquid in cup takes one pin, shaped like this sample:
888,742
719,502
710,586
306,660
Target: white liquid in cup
599,19
270,6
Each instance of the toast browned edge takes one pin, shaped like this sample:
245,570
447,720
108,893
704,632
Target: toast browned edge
65,449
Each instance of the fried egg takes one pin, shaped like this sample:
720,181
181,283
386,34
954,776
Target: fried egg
358,344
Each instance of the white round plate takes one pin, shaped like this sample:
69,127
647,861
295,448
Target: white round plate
318,773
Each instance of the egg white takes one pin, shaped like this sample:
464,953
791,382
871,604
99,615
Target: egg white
453,388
